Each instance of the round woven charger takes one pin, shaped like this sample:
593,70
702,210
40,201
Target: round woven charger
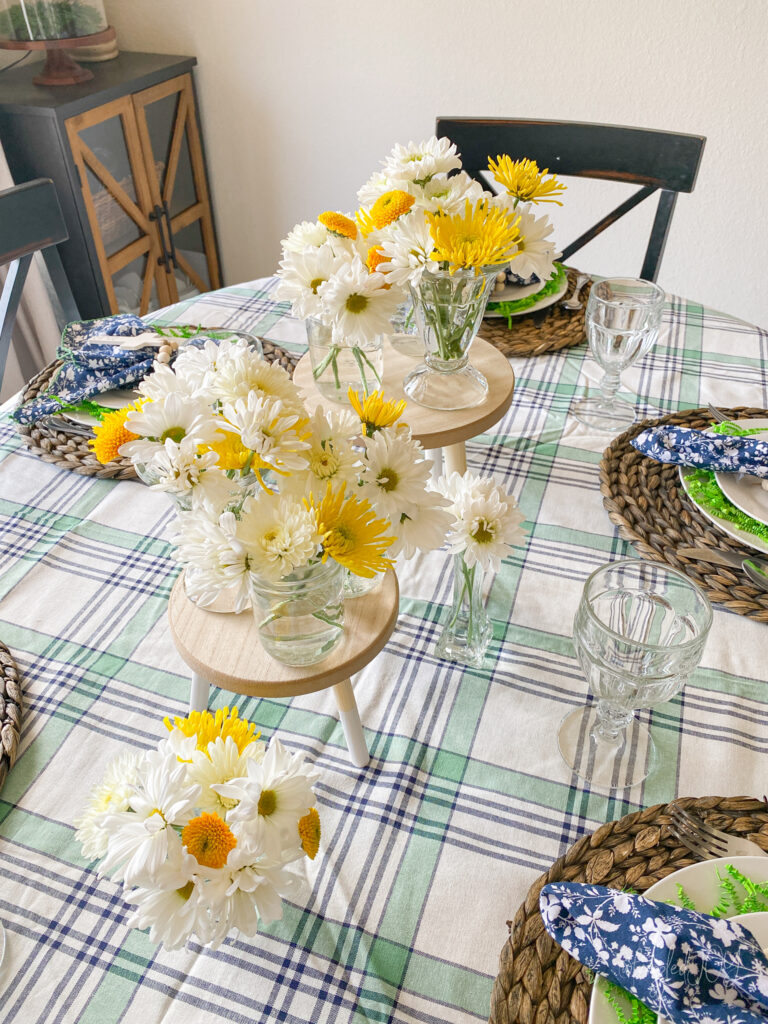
10,712
71,450
646,500
538,982
535,334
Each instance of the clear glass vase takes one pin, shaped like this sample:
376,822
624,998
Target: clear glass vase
51,19
467,630
449,311
301,618
337,367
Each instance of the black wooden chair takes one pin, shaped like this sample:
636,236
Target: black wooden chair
30,221
657,161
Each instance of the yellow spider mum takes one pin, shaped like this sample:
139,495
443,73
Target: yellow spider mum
351,533
523,180
338,224
110,434
480,237
231,451
364,222
390,206
209,839
309,833
208,727
374,411
375,257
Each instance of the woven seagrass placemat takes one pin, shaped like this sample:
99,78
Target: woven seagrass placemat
538,982
646,500
10,712
536,334
71,450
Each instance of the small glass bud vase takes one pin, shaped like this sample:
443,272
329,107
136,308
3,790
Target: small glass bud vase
467,631
449,311
300,618
337,366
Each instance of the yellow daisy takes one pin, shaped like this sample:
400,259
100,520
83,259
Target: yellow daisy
209,839
351,533
523,180
338,224
309,833
231,451
374,411
110,434
480,237
390,206
208,727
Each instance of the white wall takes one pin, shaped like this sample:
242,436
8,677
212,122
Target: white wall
301,99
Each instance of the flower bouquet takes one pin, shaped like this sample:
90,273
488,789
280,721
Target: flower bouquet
427,230
205,831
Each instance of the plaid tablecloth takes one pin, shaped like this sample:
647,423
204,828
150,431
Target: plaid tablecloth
429,850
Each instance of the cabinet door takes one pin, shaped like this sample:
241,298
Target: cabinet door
107,152
170,141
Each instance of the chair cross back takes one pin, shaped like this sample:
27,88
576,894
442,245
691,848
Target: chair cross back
30,221
666,162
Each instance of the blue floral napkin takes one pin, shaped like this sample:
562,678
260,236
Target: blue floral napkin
689,967
91,365
683,446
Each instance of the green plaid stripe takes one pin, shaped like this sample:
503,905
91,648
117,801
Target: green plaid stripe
428,851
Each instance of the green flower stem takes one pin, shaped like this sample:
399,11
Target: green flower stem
361,368
325,362
328,621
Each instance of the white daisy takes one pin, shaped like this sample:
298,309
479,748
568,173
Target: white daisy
395,473
267,428
278,533
360,305
408,244
376,186
210,548
487,520
421,161
175,416
271,799
173,915
221,762
112,794
536,251
306,235
442,194
423,528
301,275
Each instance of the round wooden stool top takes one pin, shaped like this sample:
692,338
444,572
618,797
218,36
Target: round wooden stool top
224,649
434,428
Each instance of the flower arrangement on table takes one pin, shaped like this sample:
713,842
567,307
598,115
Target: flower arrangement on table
424,228
206,830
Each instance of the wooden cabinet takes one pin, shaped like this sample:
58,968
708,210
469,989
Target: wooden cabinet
126,154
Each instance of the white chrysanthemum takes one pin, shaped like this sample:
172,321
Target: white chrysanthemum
243,372
302,274
221,762
536,251
395,473
359,304
143,847
111,795
175,416
177,467
215,492
376,186
330,457
421,161
278,533
424,528
408,244
447,195
271,799
306,235
164,381
487,520
195,362
267,428
218,561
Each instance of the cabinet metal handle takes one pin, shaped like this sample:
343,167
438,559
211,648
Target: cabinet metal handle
171,243
165,259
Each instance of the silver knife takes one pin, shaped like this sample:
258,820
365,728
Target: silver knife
713,555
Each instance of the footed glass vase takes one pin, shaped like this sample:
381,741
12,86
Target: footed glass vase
467,631
449,310
337,367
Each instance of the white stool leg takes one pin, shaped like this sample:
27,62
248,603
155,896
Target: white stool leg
350,723
198,693
455,458
436,454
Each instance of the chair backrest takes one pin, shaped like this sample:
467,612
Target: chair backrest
30,221
657,161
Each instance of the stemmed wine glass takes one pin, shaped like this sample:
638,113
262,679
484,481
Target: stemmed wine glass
623,318
639,632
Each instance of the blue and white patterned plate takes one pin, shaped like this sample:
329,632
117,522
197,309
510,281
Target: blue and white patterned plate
700,883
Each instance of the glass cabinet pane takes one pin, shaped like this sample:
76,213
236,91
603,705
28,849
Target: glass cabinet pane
191,272
129,284
117,229
170,151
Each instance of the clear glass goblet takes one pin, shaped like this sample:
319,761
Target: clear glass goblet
639,632
623,319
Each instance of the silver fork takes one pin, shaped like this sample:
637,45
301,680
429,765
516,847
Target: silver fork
717,416
575,302
707,842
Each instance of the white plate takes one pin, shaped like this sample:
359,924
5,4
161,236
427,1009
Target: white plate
514,292
750,540
701,884
118,398
746,494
